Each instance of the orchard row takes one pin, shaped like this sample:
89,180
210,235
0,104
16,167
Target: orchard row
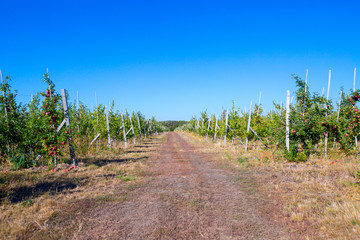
34,131
313,123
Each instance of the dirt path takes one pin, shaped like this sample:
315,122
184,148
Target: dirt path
187,198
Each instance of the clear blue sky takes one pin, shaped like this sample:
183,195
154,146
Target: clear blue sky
173,59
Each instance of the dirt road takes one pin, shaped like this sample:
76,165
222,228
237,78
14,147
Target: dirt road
188,197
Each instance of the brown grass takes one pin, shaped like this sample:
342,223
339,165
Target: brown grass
321,198
29,198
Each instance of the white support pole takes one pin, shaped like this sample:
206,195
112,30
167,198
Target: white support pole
132,127
216,127
338,114
48,75
356,140
356,146
226,125
97,136
248,127
97,121
306,78
258,110
123,127
145,127
328,90
207,132
77,100
67,119
6,113
354,78
326,133
2,83
138,119
108,127
287,120
77,109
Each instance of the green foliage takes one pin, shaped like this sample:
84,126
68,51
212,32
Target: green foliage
312,119
31,130
20,160
172,125
294,155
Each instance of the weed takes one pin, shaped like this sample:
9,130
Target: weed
104,198
27,202
125,178
227,155
20,160
244,161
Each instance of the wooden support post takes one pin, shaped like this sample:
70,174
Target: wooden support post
207,132
259,137
2,83
356,140
97,121
356,146
306,79
354,78
97,136
123,127
150,127
6,112
248,127
67,119
132,127
48,75
216,127
338,114
108,127
77,108
226,125
326,132
287,120
145,127
138,119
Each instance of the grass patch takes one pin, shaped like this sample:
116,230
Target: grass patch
244,161
320,198
32,197
125,178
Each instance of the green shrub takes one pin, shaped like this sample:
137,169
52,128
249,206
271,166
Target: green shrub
20,160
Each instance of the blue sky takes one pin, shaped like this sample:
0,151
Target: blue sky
174,59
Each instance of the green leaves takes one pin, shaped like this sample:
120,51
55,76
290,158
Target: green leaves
312,117
31,130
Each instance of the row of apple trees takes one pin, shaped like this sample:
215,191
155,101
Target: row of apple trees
29,133
313,121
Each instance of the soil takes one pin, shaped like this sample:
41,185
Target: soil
187,196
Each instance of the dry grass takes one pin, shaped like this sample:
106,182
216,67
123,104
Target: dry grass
29,198
321,198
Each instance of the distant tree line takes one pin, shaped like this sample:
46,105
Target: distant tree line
171,125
